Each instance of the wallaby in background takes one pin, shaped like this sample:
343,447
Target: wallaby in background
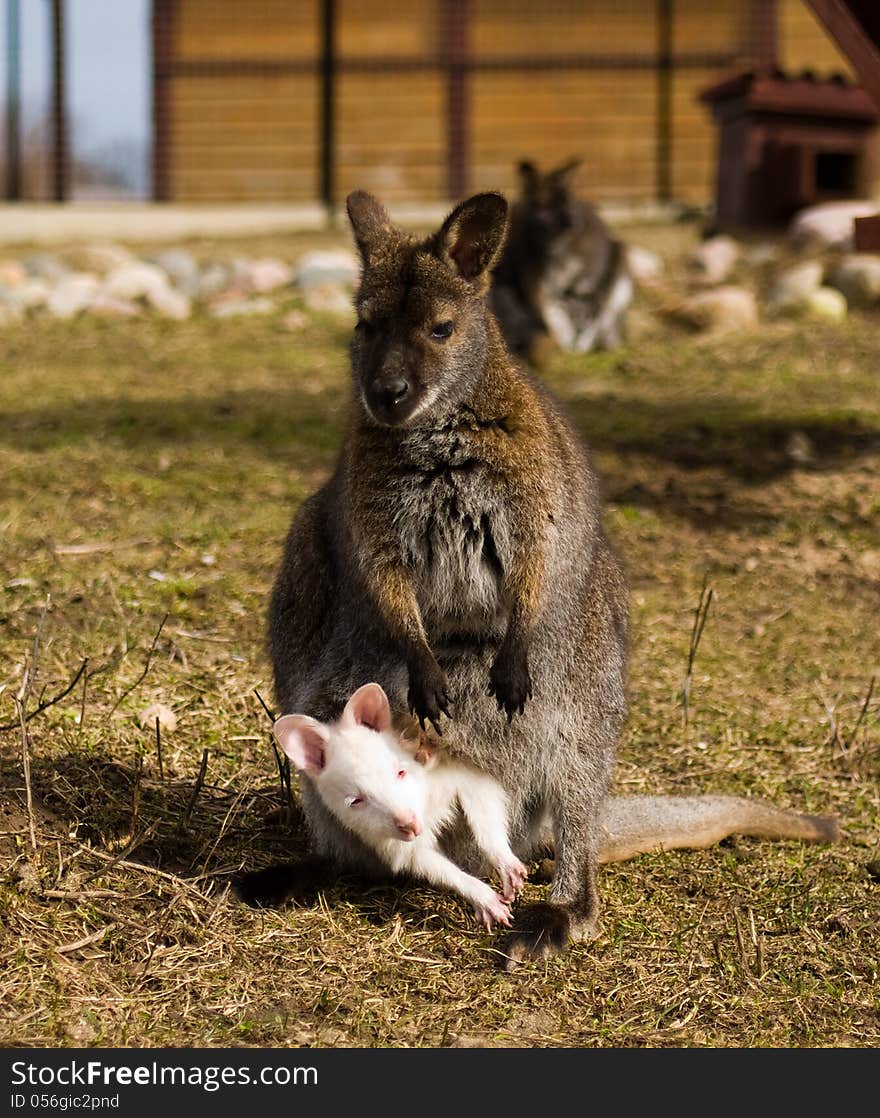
457,557
397,795
561,274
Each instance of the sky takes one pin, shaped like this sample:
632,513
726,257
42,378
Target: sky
108,80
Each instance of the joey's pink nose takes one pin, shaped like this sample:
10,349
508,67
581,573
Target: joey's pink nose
408,827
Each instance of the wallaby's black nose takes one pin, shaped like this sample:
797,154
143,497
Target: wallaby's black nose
394,390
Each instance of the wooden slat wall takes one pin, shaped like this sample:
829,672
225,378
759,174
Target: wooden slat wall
253,136
604,117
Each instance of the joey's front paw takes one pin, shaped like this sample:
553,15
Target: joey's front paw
428,694
513,878
509,679
491,908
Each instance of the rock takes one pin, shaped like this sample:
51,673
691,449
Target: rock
212,280
72,294
12,273
758,255
100,258
109,306
792,287
261,276
181,268
799,448
135,280
826,303
158,711
43,265
294,320
33,292
229,308
330,298
169,302
720,311
829,224
323,266
713,261
858,277
645,266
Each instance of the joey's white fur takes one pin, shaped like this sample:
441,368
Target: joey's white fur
397,796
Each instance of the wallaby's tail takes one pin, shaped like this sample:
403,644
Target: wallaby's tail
632,825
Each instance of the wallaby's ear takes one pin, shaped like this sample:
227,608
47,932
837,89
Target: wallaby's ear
471,237
369,707
563,174
370,222
304,740
528,174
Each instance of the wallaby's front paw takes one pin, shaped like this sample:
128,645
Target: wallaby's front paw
491,908
428,694
513,878
509,679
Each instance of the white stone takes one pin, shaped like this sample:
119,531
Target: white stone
324,266
212,279
826,303
181,267
12,273
792,287
72,294
722,310
262,275
44,265
33,292
829,224
169,302
101,258
858,277
330,298
644,266
135,280
713,261
110,306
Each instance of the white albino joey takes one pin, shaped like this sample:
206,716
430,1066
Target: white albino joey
396,795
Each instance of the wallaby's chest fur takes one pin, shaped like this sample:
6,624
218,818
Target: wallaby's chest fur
453,530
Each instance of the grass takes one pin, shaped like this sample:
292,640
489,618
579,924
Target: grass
149,473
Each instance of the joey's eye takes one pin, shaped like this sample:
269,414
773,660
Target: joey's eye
401,773
440,331
364,326
355,801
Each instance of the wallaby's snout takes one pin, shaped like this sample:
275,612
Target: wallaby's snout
390,398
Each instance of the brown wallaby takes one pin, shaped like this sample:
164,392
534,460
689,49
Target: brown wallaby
561,273
457,557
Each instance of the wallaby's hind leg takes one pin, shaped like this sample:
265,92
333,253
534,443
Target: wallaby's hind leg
572,913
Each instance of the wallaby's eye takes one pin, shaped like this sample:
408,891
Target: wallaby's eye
355,801
440,331
401,773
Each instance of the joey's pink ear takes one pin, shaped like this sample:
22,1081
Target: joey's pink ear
368,706
304,741
370,222
471,237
